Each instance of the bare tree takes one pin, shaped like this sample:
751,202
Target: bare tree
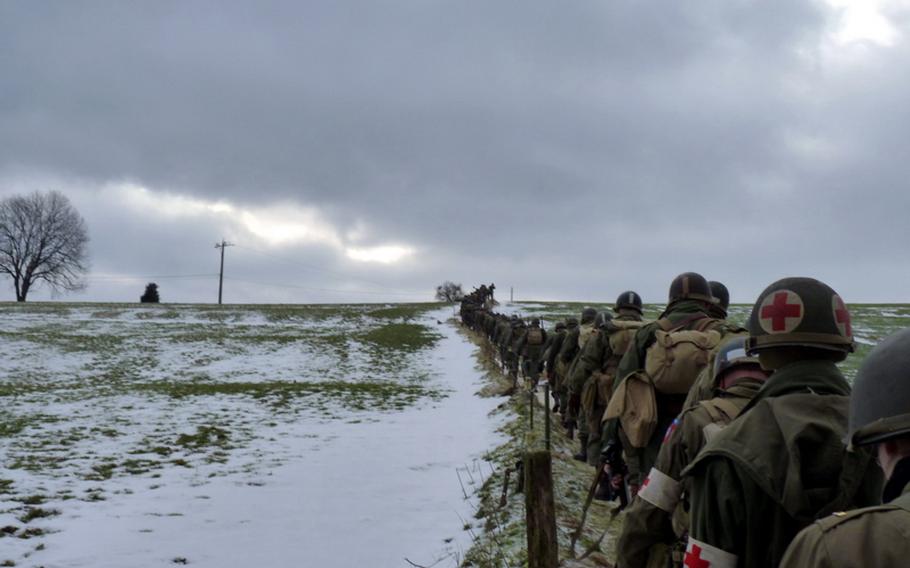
449,292
42,239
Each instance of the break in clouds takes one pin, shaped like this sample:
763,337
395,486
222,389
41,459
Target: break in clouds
367,151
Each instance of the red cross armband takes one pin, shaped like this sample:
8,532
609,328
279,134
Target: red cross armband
701,555
661,490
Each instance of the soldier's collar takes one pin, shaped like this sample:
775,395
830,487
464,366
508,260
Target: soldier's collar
899,483
818,377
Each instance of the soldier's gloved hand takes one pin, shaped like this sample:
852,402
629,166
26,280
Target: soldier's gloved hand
612,452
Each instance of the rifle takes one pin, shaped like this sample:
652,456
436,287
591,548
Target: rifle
598,477
611,458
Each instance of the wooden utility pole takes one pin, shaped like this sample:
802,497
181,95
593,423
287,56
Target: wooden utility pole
540,510
511,294
222,245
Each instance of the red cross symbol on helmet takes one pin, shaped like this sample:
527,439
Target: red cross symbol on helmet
781,312
841,316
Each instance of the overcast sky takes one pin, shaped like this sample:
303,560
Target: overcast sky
370,150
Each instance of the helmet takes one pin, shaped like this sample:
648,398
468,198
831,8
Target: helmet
588,315
720,292
690,286
800,312
629,300
880,402
601,319
731,354
571,322
535,322
560,325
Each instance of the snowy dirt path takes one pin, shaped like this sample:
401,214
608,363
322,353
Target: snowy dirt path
368,490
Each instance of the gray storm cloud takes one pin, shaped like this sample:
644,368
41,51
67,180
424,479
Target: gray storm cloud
571,150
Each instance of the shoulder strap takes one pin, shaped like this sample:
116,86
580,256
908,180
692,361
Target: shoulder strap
713,411
706,323
668,326
727,407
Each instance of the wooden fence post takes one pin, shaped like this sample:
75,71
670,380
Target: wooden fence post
540,510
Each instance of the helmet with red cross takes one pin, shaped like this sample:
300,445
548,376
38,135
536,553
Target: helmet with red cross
800,312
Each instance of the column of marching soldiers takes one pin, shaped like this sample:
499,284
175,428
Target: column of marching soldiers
732,447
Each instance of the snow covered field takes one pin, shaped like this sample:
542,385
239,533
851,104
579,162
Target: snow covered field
261,435
237,436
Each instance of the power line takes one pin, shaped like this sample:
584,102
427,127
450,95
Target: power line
297,264
332,290
151,277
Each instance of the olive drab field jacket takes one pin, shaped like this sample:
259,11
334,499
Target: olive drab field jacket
873,536
649,520
776,469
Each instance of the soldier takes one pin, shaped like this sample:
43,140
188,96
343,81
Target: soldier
572,347
684,323
512,352
704,385
586,362
782,463
489,325
551,351
563,359
595,371
722,299
504,340
879,415
530,348
649,526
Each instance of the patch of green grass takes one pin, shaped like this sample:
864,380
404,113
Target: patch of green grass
69,341
354,395
33,500
400,336
31,532
139,466
101,472
12,425
32,513
403,311
205,436
157,313
107,314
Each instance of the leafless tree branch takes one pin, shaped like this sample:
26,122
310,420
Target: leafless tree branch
42,239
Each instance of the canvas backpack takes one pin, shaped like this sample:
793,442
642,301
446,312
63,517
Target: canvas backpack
535,336
635,405
621,335
585,332
679,354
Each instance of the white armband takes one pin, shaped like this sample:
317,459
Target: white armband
661,490
701,555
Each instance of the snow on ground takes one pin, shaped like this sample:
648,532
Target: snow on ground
237,437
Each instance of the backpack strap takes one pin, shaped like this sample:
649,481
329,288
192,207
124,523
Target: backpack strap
707,324
668,326
713,411
727,407
721,409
